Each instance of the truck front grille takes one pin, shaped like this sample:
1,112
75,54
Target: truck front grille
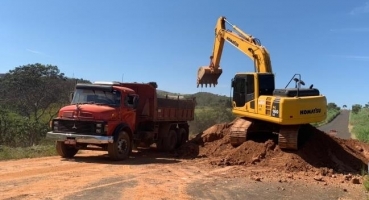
78,127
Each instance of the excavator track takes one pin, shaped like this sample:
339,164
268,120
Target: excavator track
288,137
239,131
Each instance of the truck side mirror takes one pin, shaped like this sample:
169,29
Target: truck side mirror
232,83
135,102
71,94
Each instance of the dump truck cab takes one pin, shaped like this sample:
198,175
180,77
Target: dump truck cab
104,105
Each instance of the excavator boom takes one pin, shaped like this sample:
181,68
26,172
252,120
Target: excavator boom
208,75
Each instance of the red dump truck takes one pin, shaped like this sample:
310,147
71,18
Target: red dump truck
115,116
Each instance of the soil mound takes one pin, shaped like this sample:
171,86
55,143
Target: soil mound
320,152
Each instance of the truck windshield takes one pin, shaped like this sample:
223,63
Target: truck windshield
90,96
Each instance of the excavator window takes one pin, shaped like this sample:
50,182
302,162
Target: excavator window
250,88
266,84
239,91
243,89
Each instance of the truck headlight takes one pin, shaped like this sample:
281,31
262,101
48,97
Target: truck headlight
98,125
55,125
106,128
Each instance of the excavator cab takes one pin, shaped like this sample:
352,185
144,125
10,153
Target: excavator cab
208,75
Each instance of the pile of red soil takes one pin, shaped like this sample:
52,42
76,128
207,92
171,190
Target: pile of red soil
319,152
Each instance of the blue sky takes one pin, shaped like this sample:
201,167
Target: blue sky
167,41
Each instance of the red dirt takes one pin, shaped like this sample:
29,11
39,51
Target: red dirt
321,152
255,170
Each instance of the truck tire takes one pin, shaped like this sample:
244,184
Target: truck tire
182,137
170,142
121,148
65,151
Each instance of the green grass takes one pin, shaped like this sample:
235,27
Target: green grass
360,128
8,153
366,182
360,124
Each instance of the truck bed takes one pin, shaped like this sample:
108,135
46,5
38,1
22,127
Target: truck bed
154,108
175,109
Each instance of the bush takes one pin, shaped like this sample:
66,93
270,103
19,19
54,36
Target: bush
356,108
206,117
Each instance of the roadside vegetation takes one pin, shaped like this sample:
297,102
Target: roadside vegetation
32,94
359,120
7,152
332,112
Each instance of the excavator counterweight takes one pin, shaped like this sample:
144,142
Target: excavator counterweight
207,75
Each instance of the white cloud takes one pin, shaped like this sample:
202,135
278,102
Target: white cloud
35,52
354,57
361,9
350,30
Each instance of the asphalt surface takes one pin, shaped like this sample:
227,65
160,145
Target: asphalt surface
339,124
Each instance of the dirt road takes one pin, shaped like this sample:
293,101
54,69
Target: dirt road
339,124
153,175
325,167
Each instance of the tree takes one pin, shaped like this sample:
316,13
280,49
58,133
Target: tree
31,89
31,93
332,106
344,106
356,108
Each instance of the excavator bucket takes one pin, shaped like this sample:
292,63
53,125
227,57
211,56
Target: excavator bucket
206,75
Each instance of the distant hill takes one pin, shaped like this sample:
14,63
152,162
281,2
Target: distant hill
202,98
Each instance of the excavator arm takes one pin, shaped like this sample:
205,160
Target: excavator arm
245,43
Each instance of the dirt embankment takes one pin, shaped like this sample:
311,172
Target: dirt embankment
319,153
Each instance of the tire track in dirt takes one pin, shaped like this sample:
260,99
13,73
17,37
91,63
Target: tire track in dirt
91,175
165,182
152,175
151,182
47,177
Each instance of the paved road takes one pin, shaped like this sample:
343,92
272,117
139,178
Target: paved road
340,124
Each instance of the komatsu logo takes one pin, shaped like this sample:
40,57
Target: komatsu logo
311,111
232,41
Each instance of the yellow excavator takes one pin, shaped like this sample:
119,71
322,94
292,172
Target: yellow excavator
259,106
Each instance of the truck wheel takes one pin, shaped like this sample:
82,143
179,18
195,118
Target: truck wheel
182,137
65,151
121,148
170,142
